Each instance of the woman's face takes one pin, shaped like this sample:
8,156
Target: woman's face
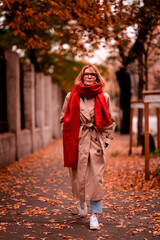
89,77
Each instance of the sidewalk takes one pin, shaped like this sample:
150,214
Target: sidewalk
36,200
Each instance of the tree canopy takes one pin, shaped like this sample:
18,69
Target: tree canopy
41,27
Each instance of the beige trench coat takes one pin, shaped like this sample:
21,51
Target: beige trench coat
87,178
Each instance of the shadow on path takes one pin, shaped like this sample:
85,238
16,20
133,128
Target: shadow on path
36,203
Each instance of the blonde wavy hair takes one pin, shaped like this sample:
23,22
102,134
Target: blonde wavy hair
79,78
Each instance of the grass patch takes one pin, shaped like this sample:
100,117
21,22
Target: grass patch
157,172
114,154
155,153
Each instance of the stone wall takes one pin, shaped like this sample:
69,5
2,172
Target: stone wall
42,103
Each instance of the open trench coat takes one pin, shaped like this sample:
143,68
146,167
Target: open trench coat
87,178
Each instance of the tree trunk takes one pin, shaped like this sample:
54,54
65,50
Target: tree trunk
146,70
140,89
32,56
125,85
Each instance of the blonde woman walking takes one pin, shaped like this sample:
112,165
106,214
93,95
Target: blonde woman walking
87,123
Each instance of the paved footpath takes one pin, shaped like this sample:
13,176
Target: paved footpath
36,203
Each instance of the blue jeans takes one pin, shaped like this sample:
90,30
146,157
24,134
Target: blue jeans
96,206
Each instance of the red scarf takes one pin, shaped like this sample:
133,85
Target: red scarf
72,119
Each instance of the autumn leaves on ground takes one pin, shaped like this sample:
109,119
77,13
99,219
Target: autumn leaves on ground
36,200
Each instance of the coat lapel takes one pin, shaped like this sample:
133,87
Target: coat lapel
87,109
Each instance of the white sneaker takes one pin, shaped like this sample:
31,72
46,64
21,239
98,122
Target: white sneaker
94,222
82,206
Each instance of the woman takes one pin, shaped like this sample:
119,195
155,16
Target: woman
87,124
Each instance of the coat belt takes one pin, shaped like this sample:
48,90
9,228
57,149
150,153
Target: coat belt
88,125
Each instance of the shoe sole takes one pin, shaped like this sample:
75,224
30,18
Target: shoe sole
94,227
83,215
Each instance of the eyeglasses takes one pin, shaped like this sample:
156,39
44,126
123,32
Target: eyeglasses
90,74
